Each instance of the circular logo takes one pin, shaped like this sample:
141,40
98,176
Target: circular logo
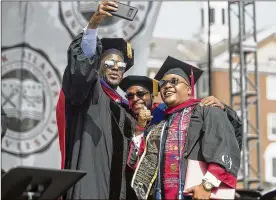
76,15
30,90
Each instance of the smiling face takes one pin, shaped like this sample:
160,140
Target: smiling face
175,90
112,69
138,97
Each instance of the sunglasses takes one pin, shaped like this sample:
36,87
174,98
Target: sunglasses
139,94
172,81
111,63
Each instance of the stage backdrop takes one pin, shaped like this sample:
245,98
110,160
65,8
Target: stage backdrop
35,39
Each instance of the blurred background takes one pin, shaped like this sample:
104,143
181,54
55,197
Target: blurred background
234,42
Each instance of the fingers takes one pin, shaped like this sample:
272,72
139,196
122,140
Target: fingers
110,3
212,102
204,101
109,8
145,114
106,6
148,114
102,12
190,190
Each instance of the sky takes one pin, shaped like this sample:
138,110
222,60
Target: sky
178,19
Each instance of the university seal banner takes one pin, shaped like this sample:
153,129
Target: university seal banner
30,88
35,39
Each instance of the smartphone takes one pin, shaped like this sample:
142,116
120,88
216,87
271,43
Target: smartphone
125,11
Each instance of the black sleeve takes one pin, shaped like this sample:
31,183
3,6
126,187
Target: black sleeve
81,73
236,123
219,144
4,123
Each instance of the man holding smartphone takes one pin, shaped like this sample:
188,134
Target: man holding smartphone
93,124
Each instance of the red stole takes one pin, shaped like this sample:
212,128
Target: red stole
112,95
187,103
171,168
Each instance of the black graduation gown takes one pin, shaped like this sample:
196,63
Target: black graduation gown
4,126
97,129
4,123
211,138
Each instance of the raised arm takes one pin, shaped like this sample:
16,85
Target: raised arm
137,144
83,58
80,73
89,42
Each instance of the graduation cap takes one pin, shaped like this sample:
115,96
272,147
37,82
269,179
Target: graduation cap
22,183
173,66
119,46
150,84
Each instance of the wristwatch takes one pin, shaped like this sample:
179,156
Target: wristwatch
207,185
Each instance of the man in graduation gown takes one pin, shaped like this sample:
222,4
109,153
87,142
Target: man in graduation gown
188,132
94,127
140,93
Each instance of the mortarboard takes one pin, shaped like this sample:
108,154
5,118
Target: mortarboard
150,84
173,66
122,46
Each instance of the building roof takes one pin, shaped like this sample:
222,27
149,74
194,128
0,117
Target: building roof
160,48
196,50
261,35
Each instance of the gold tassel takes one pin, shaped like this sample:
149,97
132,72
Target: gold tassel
154,87
129,50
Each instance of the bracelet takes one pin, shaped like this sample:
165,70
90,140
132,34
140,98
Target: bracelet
139,128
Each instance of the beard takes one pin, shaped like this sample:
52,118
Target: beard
114,83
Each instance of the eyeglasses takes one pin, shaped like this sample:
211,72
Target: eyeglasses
172,81
139,94
111,63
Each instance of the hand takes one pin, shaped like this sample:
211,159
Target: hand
198,192
101,13
211,101
143,117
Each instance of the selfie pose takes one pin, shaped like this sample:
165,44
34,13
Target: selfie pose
94,126
189,132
